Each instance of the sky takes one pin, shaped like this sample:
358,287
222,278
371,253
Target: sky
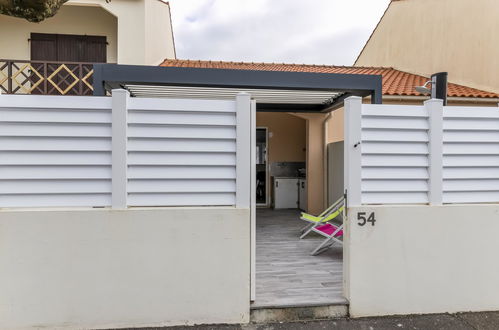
289,31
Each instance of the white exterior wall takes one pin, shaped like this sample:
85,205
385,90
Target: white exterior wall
433,258
422,259
140,267
121,266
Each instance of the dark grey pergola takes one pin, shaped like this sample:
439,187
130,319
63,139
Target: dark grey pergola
273,90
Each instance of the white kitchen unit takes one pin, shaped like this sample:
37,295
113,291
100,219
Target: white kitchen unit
285,193
302,194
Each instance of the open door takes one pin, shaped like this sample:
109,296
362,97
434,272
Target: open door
253,201
262,177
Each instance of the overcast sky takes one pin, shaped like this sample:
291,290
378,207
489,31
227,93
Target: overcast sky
291,31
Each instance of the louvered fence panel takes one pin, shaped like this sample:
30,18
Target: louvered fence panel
470,155
181,152
55,151
394,154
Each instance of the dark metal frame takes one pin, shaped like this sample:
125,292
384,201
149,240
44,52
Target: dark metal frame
110,76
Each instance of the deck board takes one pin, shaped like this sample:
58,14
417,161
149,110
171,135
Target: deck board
286,273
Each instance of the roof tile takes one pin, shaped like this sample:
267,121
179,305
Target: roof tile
395,82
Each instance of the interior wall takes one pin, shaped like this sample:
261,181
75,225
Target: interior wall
422,259
287,140
15,32
101,268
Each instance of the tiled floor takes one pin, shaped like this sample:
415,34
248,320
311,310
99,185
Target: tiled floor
286,273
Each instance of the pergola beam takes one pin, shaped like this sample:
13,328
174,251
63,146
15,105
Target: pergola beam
110,76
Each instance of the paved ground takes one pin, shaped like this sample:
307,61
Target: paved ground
464,321
286,273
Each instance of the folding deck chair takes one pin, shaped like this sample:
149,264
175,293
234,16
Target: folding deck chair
333,231
329,214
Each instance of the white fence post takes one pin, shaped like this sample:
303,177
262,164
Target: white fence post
243,150
435,148
352,159
119,148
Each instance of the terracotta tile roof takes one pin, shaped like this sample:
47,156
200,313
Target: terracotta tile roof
395,82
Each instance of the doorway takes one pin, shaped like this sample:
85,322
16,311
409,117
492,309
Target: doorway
262,186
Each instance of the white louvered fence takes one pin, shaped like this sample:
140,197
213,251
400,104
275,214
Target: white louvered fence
404,154
67,151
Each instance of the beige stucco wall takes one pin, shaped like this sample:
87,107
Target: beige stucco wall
140,267
15,32
287,136
316,153
428,36
422,259
159,43
138,31
144,29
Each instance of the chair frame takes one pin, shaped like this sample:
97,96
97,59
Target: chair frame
330,239
340,202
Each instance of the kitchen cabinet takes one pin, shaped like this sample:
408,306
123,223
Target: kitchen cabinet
285,193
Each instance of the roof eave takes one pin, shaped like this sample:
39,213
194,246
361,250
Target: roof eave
450,98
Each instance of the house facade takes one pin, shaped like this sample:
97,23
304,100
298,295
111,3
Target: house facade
426,36
83,32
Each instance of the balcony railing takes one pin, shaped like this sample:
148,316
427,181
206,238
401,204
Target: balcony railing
47,78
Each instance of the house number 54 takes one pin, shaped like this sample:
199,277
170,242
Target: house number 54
363,218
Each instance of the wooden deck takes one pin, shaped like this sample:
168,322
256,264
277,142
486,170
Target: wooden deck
286,274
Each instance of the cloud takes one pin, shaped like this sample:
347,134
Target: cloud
292,31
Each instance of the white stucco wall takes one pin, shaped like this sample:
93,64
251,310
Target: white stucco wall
423,259
139,267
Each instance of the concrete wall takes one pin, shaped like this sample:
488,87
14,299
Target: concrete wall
428,36
422,259
15,32
139,267
138,31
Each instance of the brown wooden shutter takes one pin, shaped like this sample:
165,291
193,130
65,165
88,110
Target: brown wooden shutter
43,47
95,49
68,48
